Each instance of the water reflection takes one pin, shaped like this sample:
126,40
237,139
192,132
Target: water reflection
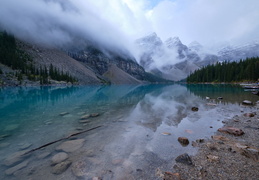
134,119
229,93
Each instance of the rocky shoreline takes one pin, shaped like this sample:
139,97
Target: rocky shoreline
225,155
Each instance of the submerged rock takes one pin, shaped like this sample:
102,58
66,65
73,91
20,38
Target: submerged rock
16,158
231,130
11,127
79,169
183,140
63,113
12,170
61,167
185,159
95,114
85,117
59,158
70,146
24,146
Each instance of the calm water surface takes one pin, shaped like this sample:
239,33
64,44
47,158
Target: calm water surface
130,144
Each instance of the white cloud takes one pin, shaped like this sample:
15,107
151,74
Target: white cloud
117,23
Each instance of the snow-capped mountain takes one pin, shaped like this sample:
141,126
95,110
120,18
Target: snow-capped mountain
235,53
171,59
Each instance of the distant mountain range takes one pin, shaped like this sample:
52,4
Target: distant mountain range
174,60
156,61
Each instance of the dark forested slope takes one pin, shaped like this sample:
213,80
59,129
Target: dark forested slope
244,70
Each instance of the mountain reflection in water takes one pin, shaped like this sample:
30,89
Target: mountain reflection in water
140,126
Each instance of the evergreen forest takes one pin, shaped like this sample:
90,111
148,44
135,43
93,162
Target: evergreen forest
22,63
244,70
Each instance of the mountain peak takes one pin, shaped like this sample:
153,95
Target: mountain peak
172,42
195,46
150,39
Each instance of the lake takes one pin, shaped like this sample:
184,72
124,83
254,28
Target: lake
139,127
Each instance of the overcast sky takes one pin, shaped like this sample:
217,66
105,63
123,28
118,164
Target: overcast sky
119,22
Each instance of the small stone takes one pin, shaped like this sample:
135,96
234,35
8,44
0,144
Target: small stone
58,158
85,117
24,146
16,158
249,115
211,127
183,140
195,108
79,169
212,158
95,114
200,140
61,167
221,138
71,146
231,130
252,153
185,159
63,113
246,102
12,170
84,121
172,176
220,98
194,144
166,133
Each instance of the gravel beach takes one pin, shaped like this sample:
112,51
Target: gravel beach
225,155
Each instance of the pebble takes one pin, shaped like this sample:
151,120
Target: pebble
24,146
212,158
246,102
61,167
185,159
63,113
79,169
16,158
58,158
85,117
12,170
71,146
195,108
231,130
183,140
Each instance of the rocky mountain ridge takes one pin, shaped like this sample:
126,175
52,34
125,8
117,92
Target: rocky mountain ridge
171,59
174,60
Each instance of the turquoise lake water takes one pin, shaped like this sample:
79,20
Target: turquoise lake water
131,144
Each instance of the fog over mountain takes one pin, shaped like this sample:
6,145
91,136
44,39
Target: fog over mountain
114,26
117,23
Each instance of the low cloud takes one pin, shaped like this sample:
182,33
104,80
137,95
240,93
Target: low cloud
117,23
